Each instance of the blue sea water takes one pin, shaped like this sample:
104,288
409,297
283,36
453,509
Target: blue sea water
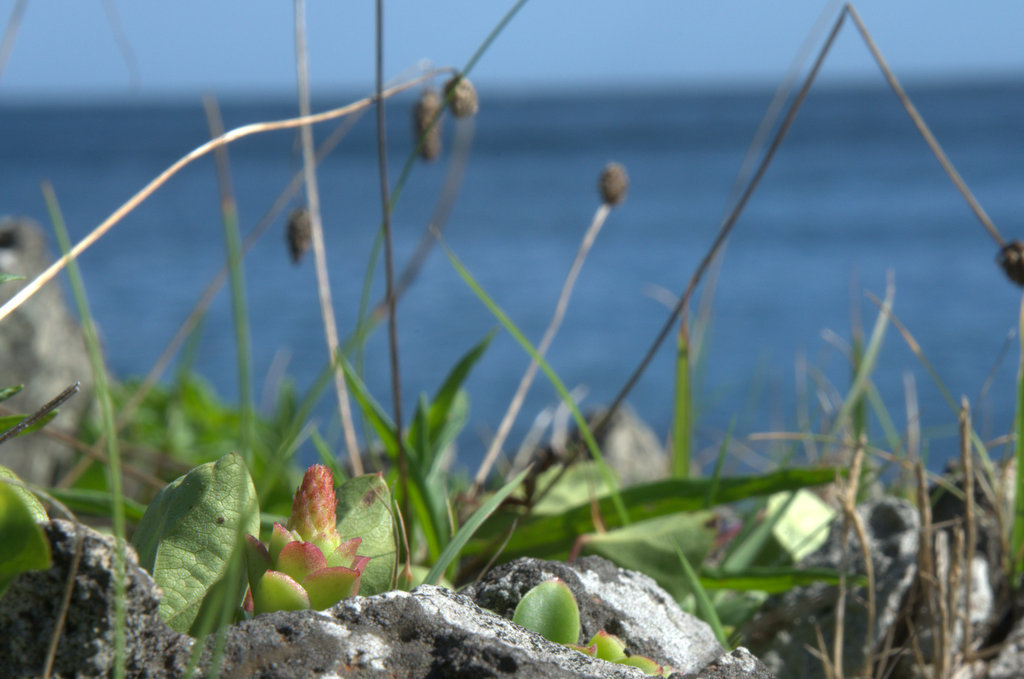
853,194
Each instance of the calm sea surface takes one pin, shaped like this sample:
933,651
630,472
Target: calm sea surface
853,193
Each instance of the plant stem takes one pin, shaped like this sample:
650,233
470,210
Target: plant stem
389,262
106,408
233,242
549,335
323,283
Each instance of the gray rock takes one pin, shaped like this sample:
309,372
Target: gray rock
788,624
625,603
41,347
430,632
30,607
740,664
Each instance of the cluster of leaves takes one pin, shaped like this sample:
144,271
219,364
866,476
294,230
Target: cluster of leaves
550,609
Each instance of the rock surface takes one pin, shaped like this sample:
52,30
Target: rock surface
430,632
30,608
41,347
625,603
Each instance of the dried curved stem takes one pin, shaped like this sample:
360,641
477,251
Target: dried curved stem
556,320
233,135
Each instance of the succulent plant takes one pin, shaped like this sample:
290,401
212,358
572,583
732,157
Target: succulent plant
550,609
306,564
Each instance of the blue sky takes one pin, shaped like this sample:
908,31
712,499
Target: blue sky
66,48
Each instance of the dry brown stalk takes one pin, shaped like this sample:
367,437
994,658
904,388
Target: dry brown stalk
969,525
231,136
323,285
922,127
549,335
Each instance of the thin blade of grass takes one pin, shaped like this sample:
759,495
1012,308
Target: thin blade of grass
106,408
458,542
581,423
239,307
772,580
705,609
682,424
1017,532
867,363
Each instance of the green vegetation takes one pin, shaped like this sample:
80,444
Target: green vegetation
160,461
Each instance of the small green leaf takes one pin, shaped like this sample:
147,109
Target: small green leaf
12,421
550,610
8,277
33,505
188,535
25,545
8,392
364,511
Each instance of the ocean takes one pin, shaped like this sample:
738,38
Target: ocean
852,196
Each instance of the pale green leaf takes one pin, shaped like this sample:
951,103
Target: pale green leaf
187,536
25,545
364,511
33,505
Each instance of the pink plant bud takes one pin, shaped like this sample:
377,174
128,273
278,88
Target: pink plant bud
314,507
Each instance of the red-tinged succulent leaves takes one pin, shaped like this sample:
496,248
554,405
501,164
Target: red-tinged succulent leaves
277,592
608,646
345,554
306,564
299,559
257,559
279,537
328,586
314,506
644,663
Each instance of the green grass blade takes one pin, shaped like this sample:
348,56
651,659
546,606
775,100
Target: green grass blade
97,503
682,423
110,432
581,423
1017,534
866,366
716,475
773,580
705,609
458,542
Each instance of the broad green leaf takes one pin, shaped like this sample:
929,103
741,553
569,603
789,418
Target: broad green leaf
11,421
33,505
650,546
364,511
25,545
8,392
189,533
550,537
